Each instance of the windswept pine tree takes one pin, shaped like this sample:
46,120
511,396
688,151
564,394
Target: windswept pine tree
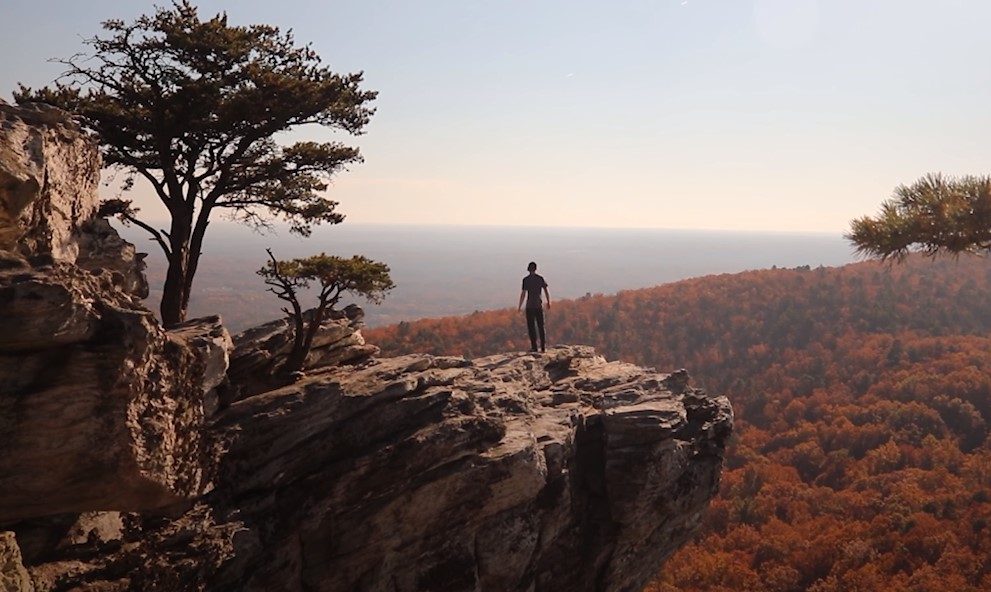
194,108
936,214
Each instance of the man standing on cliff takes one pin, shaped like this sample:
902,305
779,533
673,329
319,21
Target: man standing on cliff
532,285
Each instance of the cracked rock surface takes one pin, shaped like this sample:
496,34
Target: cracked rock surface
510,472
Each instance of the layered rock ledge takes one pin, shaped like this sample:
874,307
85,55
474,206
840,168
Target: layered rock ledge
510,472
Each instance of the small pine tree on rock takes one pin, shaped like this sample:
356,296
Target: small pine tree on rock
335,276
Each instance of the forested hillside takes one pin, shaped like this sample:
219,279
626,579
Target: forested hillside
862,395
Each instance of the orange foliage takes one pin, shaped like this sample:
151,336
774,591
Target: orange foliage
861,460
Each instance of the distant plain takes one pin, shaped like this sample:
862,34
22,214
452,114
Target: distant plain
455,270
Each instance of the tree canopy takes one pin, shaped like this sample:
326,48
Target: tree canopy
936,214
194,107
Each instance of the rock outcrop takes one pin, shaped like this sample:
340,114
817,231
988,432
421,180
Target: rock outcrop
96,400
136,458
48,179
510,472
259,352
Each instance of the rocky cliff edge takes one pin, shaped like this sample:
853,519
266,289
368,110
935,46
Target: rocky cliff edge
136,458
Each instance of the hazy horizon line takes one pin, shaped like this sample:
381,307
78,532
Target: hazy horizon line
280,225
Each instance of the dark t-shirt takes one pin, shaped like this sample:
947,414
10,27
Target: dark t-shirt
532,284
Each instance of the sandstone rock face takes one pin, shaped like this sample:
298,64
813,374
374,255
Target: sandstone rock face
101,248
511,472
49,172
100,409
260,351
134,458
13,576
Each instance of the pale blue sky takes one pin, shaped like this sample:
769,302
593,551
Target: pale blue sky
791,115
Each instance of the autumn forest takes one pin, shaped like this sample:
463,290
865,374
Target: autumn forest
862,394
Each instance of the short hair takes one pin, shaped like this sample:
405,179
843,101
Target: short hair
532,266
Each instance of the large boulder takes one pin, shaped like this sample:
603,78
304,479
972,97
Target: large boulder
49,172
100,408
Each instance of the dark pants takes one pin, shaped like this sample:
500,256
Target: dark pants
534,323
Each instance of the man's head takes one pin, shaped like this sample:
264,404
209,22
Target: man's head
532,267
